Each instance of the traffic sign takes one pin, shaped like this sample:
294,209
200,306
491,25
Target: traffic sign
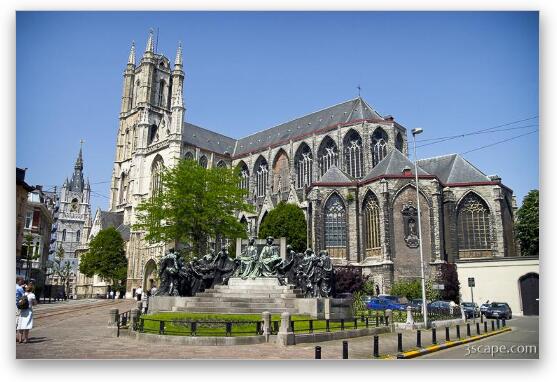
471,282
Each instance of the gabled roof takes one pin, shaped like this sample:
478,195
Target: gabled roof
124,230
343,113
394,163
453,168
208,140
335,175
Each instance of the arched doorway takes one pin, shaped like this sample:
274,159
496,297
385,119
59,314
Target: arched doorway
529,294
151,276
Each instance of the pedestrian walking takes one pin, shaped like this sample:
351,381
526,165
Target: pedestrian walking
19,292
138,293
25,321
153,290
144,302
111,293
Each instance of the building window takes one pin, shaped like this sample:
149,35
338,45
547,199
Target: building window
156,174
303,162
399,143
244,176
335,227
353,155
281,173
372,233
188,156
161,94
64,235
77,236
134,138
327,155
123,189
203,162
74,205
28,219
474,226
262,176
378,145
221,164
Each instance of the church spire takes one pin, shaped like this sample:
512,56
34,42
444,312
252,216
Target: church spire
131,58
150,47
178,60
76,183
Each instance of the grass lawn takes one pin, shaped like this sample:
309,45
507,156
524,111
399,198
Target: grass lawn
179,323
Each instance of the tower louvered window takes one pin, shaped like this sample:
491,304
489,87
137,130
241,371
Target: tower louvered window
335,227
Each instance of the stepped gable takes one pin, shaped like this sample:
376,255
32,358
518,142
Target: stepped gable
207,139
343,113
453,168
394,163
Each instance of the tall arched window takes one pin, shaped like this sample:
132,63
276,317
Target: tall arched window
221,164
123,189
156,173
74,205
353,155
64,235
203,162
378,145
134,138
281,173
372,233
77,236
474,227
399,143
303,163
188,155
327,155
244,176
136,93
335,227
161,94
262,176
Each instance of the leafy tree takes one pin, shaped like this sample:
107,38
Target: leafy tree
449,278
194,204
105,257
407,288
348,280
29,254
62,269
286,220
528,224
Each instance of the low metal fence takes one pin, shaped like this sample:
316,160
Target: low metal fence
330,325
200,327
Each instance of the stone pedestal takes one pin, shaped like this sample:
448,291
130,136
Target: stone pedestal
285,335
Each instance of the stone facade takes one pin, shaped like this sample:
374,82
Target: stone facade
347,152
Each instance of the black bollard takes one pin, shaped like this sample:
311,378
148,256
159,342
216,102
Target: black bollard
485,326
492,325
498,324
399,342
419,338
447,334
478,328
318,352
376,346
344,349
458,331
504,322
434,336
468,333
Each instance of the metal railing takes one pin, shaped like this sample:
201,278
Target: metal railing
200,327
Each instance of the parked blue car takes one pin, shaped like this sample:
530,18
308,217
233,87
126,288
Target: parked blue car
383,304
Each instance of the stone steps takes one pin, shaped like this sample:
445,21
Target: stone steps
276,296
247,304
238,299
235,310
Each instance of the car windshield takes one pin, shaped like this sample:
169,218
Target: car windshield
468,304
497,305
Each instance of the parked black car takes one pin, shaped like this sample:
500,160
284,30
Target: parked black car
471,309
483,307
499,310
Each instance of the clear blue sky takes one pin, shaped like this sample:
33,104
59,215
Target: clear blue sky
447,72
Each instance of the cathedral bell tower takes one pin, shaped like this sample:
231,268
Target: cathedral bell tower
150,124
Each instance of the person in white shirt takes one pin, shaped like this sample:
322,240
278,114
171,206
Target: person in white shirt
25,320
138,293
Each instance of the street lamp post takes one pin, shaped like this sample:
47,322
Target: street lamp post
415,132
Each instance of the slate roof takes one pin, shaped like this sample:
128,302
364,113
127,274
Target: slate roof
124,230
343,113
453,168
394,163
335,175
208,140
111,219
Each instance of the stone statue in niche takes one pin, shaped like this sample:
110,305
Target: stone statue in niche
410,219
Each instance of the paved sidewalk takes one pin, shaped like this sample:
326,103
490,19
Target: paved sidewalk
82,335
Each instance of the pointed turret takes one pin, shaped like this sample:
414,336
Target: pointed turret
76,184
131,58
79,161
177,101
150,46
178,61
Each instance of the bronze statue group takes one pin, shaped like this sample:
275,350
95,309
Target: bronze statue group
312,274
